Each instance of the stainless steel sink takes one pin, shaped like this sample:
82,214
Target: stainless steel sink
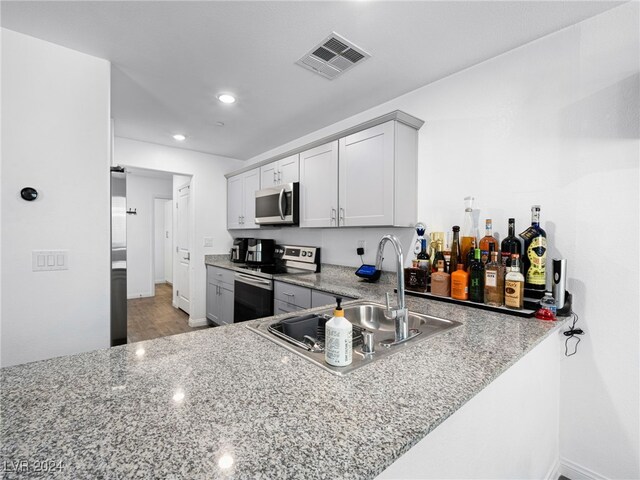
370,317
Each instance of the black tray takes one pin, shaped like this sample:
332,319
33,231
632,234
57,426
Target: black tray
525,312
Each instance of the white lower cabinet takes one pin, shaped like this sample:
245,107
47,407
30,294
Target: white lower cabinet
220,291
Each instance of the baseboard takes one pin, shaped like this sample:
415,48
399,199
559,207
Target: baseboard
554,471
139,295
174,304
577,472
200,322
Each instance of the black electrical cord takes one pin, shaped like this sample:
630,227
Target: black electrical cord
362,259
571,333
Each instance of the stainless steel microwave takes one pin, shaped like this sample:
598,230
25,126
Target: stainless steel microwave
278,205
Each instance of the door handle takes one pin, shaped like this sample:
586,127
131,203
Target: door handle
280,197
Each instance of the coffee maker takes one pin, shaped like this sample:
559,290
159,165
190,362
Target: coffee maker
260,251
239,250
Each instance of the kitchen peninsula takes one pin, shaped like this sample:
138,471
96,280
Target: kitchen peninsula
225,402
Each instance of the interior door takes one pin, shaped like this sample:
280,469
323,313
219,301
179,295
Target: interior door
183,250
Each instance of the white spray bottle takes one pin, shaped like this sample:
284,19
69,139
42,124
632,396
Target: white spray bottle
338,341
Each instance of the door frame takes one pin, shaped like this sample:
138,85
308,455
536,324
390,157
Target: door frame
153,241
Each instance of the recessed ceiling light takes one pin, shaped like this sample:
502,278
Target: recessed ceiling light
219,124
226,98
179,137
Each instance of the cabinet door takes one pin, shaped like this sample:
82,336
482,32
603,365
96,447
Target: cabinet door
289,169
319,186
269,175
235,199
213,303
319,299
366,177
281,307
226,304
251,185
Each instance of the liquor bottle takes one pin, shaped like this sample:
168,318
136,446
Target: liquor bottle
423,256
460,283
438,255
476,278
511,244
467,234
446,251
494,282
436,242
514,284
470,256
534,258
441,281
456,255
487,240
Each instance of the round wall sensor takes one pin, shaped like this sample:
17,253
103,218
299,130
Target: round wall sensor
29,194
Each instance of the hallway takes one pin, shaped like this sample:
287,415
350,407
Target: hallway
154,317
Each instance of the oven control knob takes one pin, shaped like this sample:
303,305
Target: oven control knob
310,253
304,254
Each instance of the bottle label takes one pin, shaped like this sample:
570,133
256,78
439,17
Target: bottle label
513,293
491,278
537,254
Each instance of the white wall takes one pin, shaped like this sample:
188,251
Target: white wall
55,137
141,192
159,233
168,242
208,202
553,122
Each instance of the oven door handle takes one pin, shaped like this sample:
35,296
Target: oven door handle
250,280
280,209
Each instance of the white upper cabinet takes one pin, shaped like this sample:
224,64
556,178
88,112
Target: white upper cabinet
364,176
367,179
319,186
241,199
282,171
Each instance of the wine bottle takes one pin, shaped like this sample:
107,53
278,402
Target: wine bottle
423,256
476,278
534,259
487,240
510,245
456,255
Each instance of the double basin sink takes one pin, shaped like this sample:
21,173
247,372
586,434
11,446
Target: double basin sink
365,317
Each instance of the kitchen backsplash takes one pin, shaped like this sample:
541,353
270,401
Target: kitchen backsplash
339,244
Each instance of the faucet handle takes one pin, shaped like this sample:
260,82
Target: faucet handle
388,301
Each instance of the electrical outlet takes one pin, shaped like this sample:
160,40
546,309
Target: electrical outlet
208,241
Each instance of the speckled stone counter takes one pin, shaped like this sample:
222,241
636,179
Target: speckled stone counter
228,403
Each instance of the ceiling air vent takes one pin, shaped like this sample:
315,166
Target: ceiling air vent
333,56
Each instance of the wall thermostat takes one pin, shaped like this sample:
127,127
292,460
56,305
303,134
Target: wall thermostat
29,194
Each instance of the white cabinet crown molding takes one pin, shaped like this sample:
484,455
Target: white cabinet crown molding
397,115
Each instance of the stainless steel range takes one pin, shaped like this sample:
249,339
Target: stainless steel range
253,289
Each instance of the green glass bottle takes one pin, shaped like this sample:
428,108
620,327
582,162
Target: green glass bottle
476,278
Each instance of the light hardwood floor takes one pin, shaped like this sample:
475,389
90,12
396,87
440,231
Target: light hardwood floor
154,317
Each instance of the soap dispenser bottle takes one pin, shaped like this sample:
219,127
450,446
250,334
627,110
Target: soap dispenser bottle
338,342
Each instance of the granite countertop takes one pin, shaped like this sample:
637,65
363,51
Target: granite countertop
228,403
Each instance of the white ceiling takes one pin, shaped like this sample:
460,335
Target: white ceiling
170,58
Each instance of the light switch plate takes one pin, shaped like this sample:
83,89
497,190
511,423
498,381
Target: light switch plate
208,241
46,260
